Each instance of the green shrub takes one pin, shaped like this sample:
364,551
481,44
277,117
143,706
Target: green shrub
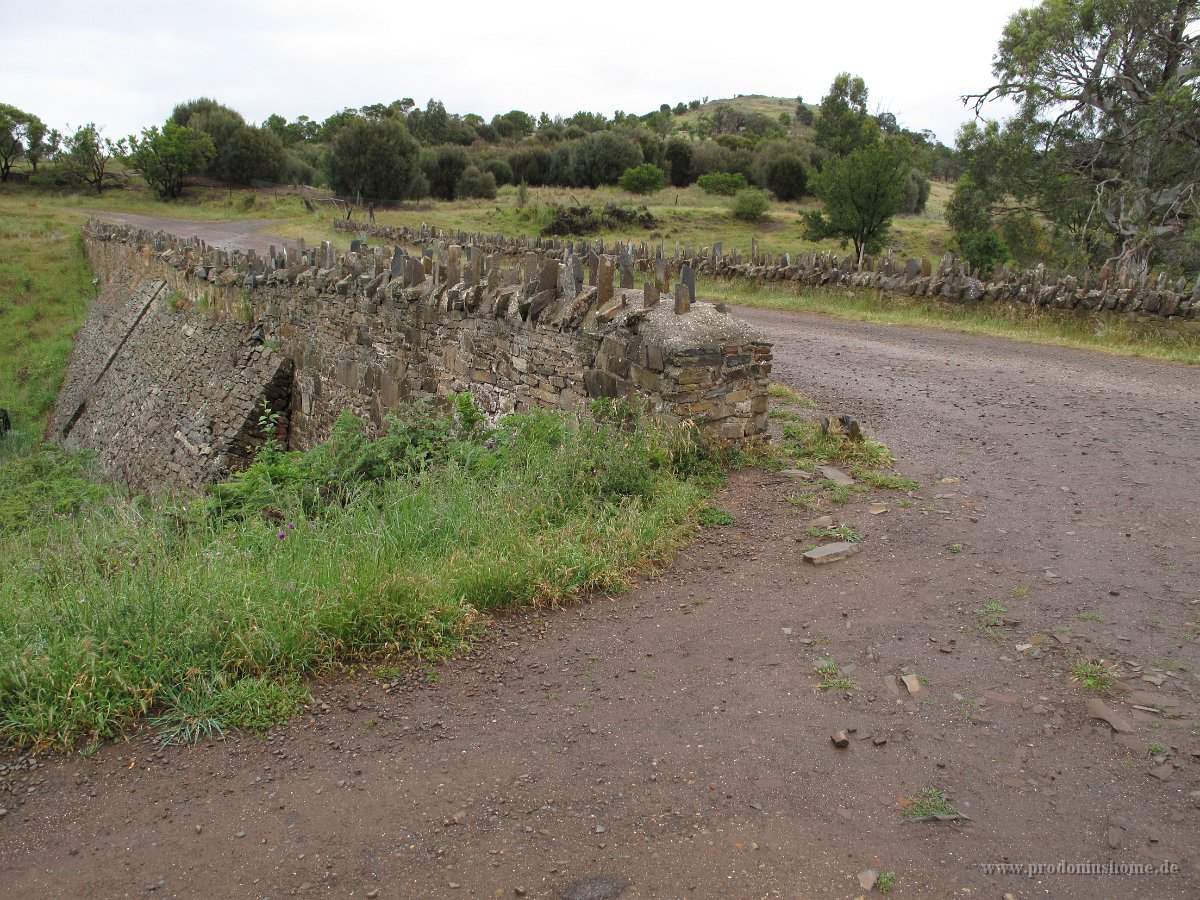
643,179
477,184
585,220
726,184
983,250
787,178
1025,238
499,168
750,205
677,155
444,166
600,158
916,194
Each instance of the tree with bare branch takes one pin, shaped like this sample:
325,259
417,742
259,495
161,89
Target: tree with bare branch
1107,133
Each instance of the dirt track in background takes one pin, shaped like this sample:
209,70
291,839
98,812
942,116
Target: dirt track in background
671,741
245,234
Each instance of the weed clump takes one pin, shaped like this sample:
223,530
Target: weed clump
929,803
830,677
1094,674
588,220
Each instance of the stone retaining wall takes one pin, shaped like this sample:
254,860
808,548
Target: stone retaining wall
188,342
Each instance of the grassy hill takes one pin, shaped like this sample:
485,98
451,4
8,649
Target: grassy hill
751,103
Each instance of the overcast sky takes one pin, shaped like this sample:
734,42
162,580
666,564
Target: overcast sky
124,65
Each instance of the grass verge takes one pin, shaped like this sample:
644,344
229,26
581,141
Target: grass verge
45,286
208,615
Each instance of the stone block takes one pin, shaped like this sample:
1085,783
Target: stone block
832,552
650,295
604,284
602,384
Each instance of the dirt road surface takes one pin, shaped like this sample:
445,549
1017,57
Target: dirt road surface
672,741
244,234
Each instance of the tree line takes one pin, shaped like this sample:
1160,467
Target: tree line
1101,163
398,151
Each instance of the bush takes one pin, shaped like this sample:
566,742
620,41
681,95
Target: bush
376,159
601,157
443,167
296,170
710,158
787,178
473,183
586,220
916,194
726,184
164,158
617,216
678,156
750,204
566,220
531,165
643,179
500,170
251,154
418,187
1026,238
983,250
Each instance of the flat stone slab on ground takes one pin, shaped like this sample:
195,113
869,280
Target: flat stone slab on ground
1098,709
837,476
832,552
798,473
1153,700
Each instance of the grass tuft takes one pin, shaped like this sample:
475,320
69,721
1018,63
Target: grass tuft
831,678
1094,675
714,517
782,393
928,802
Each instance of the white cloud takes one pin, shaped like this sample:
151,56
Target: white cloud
125,65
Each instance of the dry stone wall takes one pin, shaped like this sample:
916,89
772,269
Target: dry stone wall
165,396
1138,296
188,342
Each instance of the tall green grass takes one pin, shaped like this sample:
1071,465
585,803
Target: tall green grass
202,616
44,289
1042,326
